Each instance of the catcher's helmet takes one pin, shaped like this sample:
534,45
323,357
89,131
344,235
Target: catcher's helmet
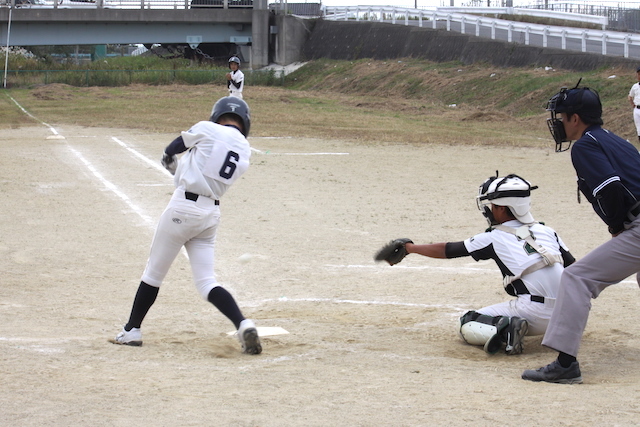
234,59
582,101
232,105
511,191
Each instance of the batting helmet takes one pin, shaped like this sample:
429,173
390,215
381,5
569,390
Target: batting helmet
235,106
511,191
582,101
234,59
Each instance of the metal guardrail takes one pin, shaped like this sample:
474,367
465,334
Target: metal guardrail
603,21
566,38
127,4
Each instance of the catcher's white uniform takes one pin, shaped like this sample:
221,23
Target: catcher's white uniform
535,292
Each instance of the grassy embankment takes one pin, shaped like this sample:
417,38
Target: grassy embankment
407,101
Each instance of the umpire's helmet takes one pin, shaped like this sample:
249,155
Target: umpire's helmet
511,191
582,101
232,105
234,59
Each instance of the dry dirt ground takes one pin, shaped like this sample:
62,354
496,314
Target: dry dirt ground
368,344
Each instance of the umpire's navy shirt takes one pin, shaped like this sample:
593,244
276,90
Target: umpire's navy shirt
608,169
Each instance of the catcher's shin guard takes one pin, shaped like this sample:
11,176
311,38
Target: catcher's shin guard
480,329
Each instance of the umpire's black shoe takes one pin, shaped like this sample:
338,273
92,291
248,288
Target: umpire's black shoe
555,373
514,335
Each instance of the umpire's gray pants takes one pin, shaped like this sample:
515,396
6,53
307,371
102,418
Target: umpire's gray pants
606,265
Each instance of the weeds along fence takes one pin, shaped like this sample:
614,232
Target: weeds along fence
85,78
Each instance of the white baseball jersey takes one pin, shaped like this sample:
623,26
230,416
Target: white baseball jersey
634,93
513,256
236,84
216,157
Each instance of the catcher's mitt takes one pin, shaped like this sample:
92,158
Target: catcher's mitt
393,252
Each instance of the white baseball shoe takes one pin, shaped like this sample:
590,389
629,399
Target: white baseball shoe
248,337
132,337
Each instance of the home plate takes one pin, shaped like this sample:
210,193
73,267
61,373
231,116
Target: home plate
55,137
266,331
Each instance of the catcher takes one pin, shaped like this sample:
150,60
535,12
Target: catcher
529,254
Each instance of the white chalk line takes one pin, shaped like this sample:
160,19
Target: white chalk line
430,267
112,187
361,302
154,164
108,184
270,153
51,128
402,267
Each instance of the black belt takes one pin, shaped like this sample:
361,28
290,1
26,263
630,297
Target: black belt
194,197
637,106
635,211
537,298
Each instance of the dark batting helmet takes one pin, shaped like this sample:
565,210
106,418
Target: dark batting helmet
235,106
234,59
582,101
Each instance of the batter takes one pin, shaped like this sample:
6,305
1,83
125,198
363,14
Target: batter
217,153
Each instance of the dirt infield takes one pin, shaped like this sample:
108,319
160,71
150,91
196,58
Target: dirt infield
369,344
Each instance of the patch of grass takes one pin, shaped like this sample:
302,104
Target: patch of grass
367,101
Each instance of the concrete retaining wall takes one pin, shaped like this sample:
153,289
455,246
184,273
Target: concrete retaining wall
349,40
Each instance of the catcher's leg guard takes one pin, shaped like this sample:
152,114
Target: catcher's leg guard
480,329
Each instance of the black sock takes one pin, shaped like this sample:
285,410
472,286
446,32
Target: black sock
566,360
224,302
145,297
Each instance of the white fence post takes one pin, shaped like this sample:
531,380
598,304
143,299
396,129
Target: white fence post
584,37
604,43
510,33
627,40
526,35
478,21
545,36
564,39
462,25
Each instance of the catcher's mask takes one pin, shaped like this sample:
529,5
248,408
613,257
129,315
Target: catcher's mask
232,105
582,101
511,191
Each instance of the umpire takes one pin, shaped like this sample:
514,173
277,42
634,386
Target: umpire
608,170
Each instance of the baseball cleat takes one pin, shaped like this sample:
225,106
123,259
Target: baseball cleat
248,337
555,373
132,337
515,333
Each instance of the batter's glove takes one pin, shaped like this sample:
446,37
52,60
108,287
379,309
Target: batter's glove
170,163
393,252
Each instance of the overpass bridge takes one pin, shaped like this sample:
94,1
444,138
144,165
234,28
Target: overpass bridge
243,23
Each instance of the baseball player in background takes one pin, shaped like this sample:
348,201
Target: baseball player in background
608,176
634,99
235,78
217,154
531,258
